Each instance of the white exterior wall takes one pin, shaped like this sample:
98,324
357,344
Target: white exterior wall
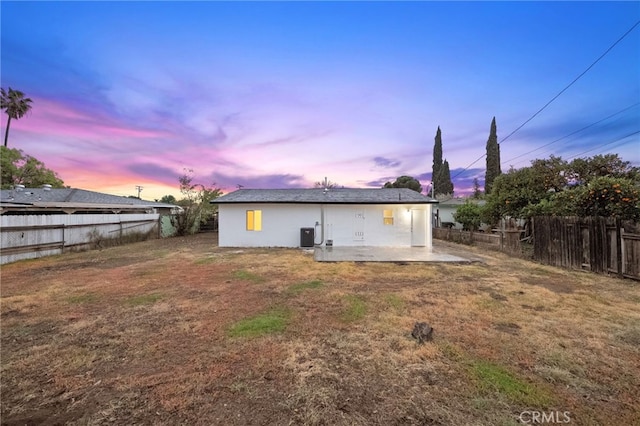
344,224
281,224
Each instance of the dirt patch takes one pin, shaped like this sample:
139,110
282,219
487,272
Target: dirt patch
553,282
508,327
537,308
147,334
498,296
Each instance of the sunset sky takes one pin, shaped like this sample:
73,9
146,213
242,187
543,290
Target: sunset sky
282,94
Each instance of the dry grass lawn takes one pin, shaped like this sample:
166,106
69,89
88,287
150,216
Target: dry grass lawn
179,331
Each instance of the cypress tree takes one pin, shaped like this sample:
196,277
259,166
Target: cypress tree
493,158
476,189
437,164
446,186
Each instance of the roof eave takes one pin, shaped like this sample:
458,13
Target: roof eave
403,202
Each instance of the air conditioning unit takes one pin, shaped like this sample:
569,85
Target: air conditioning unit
307,237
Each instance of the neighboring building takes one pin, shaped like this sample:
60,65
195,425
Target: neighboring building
445,210
47,200
331,217
36,222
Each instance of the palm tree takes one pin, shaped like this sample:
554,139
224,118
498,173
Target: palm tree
15,105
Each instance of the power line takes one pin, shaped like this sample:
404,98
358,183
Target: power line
572,133
602,146
466,168
555,97
574,80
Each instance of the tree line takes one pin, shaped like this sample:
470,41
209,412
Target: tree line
602,185
441,183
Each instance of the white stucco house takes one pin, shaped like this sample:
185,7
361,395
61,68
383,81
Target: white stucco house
324,217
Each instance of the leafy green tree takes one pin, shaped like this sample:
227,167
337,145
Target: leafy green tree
515,193
511,193
405,182
583,170
607,196
15,105
469,215
196,206
168,199
493,158
16,167
601,186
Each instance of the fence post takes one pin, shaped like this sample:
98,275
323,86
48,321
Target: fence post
619,246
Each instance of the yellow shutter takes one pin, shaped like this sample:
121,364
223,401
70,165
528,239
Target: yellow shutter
257,222
250,220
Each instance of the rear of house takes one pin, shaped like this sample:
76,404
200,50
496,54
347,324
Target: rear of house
330,217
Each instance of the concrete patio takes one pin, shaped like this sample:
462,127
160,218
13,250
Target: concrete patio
441,252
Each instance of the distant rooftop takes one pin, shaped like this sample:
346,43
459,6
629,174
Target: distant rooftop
458,201
328,196
48,197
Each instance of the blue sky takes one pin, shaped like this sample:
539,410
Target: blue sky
282,94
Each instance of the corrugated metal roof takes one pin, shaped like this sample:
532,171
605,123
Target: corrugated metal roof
71,196
322,196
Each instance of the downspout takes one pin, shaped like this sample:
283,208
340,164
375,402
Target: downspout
321,223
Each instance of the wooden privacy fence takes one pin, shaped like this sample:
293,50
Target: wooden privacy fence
598,244
507,240
31,236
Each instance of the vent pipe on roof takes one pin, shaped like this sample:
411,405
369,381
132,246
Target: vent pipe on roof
46,187
19,187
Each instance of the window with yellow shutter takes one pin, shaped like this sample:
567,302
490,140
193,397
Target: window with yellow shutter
254,220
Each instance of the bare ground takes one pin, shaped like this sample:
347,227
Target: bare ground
148,334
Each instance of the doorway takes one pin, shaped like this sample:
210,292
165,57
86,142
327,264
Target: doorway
418,228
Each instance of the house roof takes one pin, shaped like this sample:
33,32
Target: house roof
322,196
456,202
70,198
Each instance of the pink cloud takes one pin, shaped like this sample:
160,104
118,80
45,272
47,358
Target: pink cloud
49,117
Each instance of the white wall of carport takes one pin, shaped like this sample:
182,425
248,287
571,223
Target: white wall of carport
281,224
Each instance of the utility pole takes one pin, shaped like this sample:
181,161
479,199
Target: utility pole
139,188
